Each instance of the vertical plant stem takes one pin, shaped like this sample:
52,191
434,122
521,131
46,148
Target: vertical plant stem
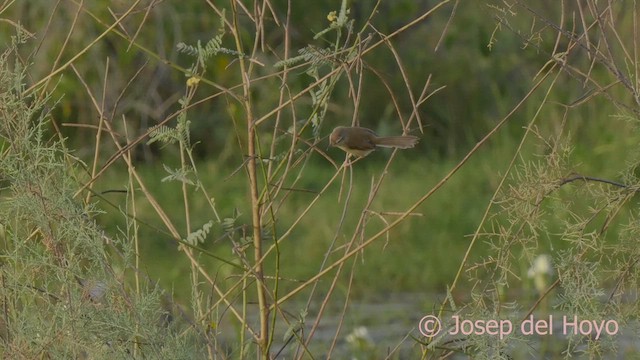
136,244
263,336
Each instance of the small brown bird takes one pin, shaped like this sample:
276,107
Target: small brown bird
361,141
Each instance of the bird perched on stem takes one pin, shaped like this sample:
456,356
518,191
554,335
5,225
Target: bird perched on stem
360,142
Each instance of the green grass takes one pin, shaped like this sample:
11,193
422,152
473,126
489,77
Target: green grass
421,253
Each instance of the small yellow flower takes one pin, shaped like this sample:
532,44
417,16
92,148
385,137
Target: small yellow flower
192,81
332,16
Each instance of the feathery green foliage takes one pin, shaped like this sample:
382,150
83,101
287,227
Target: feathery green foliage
63,288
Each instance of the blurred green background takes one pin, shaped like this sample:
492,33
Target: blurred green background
484,72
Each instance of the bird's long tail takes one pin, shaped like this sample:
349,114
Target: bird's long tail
401,142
